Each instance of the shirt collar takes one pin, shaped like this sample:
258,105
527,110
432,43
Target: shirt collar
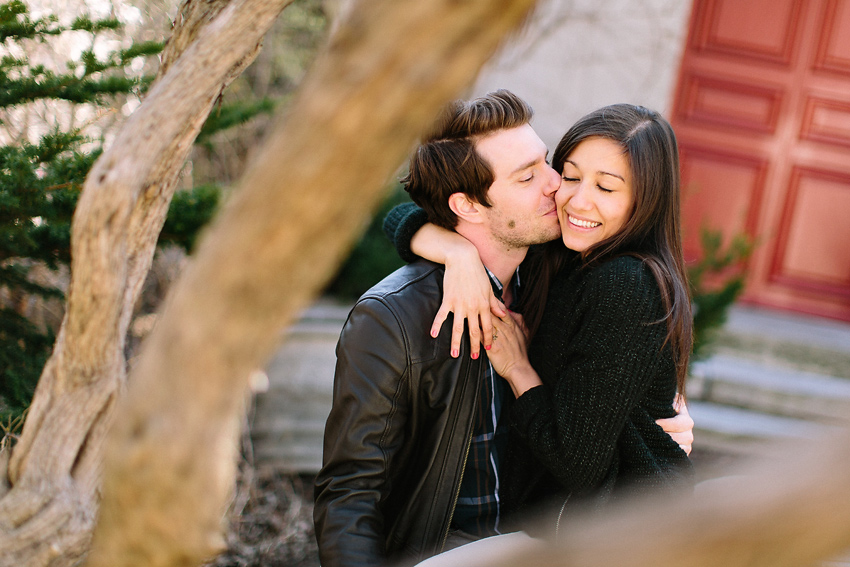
498,287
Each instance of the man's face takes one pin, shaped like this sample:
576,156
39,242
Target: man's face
522,196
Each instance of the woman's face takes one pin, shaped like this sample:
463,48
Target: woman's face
595,198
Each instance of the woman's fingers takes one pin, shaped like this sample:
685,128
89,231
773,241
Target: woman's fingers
480,318
497,308
486,321
474,337
520,323
439,320
457,334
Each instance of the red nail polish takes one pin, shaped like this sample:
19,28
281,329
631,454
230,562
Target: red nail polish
474,356
455,354
488,347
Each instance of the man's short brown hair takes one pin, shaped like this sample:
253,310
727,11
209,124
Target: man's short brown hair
446,161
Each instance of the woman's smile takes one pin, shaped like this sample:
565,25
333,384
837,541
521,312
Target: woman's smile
575,221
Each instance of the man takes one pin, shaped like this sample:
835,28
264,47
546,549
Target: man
412,443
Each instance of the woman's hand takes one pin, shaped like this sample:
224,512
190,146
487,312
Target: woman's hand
509,355
681,427
468,294
466,287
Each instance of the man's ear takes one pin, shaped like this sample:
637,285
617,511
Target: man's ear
465,208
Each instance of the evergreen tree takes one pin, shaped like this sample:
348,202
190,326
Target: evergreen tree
41,178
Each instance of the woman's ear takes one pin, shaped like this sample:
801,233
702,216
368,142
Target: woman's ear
464,207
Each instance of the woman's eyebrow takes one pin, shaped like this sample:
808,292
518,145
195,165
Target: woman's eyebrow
620,177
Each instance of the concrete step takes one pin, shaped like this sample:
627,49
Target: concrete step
800,342
770,388
289,416
743,432
773,375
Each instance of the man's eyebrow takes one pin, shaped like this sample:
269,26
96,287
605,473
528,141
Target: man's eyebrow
532,163
620,177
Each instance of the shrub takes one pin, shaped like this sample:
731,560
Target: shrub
716,280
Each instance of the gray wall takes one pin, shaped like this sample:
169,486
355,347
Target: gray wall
578,55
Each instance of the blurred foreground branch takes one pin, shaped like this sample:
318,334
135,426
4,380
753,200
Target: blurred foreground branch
791,509
379,83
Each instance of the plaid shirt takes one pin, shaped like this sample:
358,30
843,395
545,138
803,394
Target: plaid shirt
478,509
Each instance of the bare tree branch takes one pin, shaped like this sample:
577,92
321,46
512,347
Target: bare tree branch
54,472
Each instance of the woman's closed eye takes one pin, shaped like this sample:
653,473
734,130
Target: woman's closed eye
606,190
569,179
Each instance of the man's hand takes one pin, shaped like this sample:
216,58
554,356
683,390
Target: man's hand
681,427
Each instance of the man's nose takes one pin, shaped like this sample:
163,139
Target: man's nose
554,182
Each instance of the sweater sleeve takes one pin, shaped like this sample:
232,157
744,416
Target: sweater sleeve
595,375
400,224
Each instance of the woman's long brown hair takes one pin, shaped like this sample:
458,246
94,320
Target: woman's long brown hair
652,233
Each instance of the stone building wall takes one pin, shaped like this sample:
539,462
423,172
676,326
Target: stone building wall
577,55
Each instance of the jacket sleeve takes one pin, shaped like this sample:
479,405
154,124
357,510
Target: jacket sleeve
364,438
596,376
400,224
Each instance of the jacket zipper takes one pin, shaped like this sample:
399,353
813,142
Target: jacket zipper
457,494
560,514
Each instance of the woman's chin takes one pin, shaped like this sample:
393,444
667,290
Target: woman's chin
575,244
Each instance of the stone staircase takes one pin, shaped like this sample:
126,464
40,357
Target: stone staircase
289,416
772,376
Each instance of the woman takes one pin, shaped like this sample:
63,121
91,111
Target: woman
608,312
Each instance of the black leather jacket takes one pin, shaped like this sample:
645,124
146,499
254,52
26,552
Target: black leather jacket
398,434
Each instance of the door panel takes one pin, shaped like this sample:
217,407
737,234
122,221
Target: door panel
762,113
730,203
834,46
727,103
812,251
826,120
726,27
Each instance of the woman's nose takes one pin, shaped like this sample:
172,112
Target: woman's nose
579,200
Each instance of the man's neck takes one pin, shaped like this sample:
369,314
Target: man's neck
499,259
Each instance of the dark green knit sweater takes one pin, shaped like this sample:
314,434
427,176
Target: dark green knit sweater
607,376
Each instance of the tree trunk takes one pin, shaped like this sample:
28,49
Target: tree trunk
379,83
53,476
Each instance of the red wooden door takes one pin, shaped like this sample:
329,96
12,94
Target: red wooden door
762,114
